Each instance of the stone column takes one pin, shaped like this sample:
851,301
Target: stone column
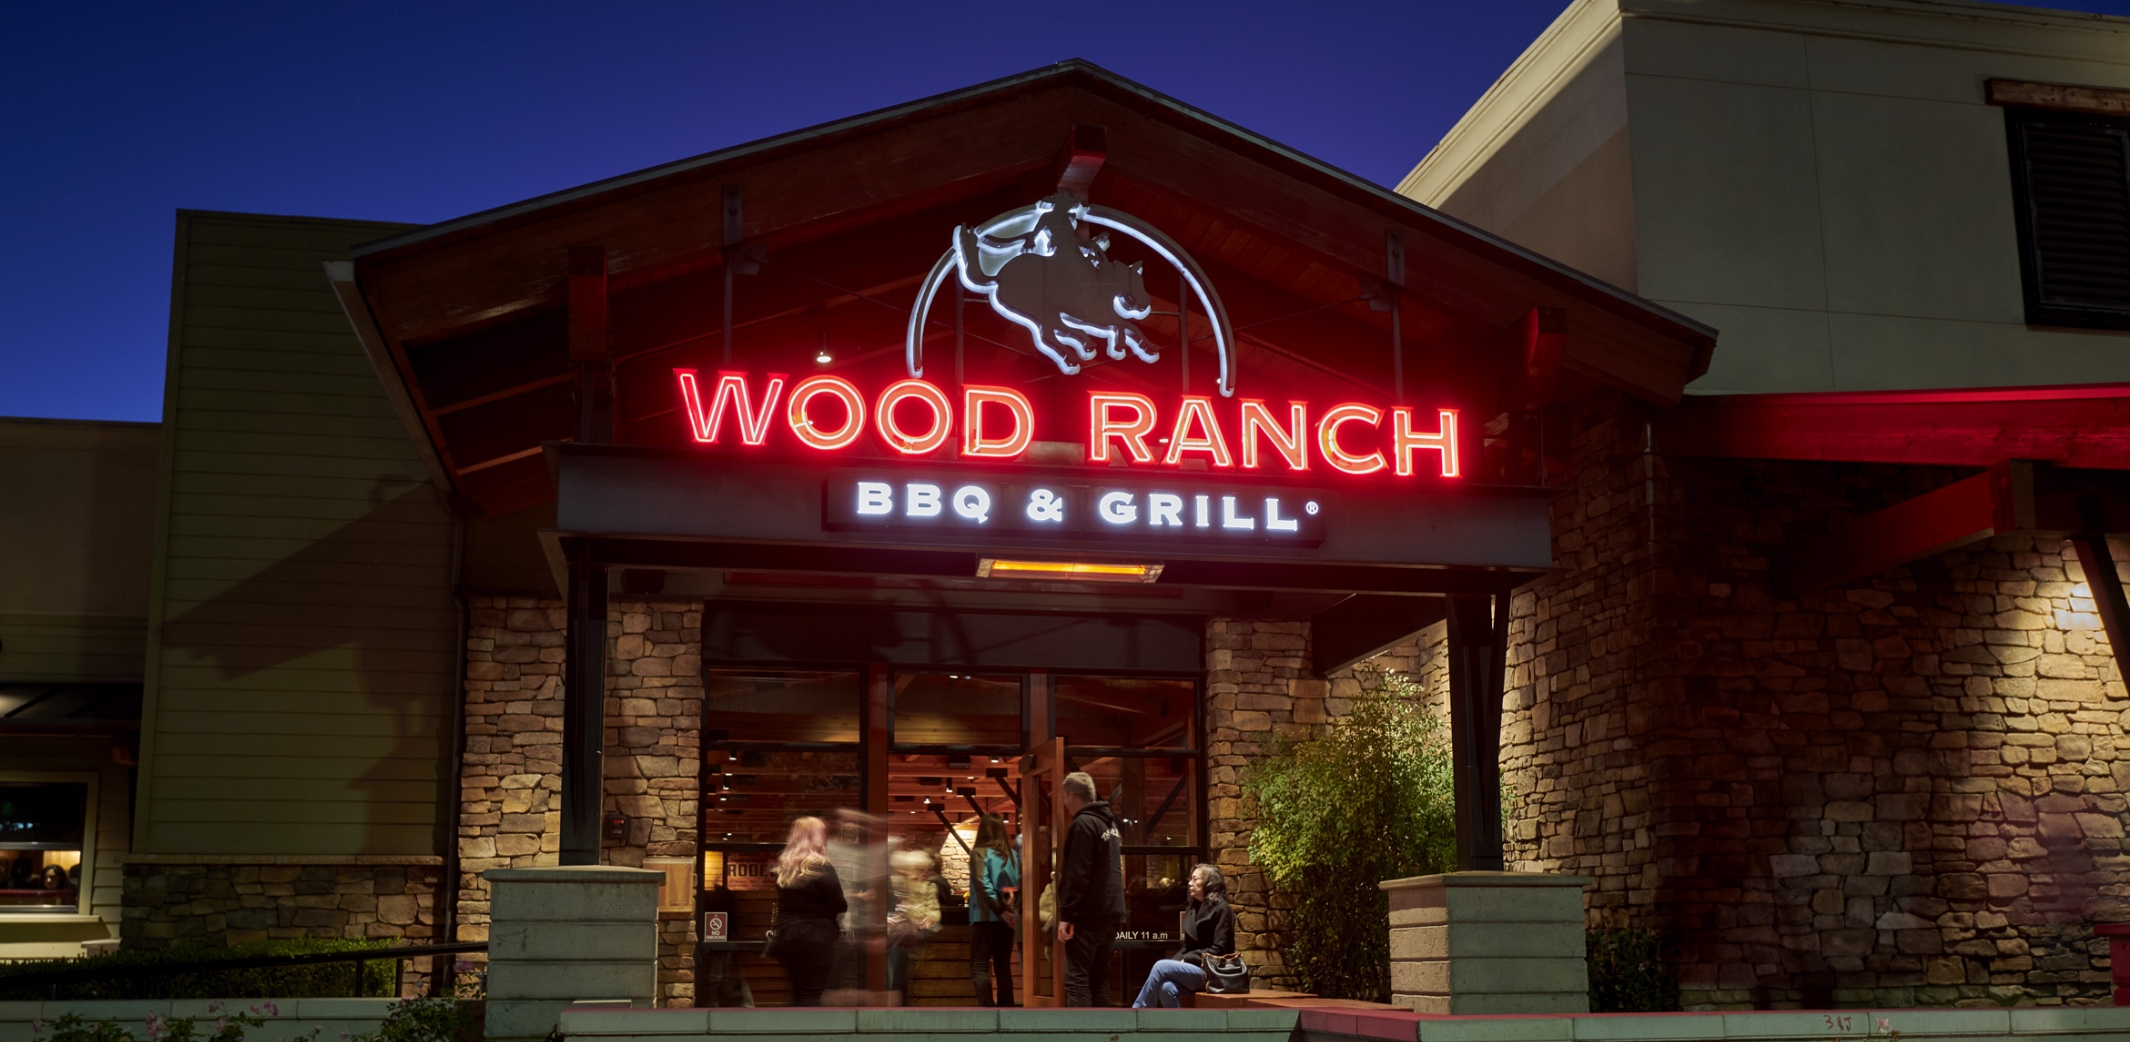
1489,942
560,935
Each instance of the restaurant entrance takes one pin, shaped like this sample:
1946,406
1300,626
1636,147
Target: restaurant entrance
903,764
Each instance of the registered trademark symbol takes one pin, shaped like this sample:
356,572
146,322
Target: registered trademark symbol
1311,507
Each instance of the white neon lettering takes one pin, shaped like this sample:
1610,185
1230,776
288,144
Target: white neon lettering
1045,505
921,500
1199,512
1117,509
1228,518
1164,508
973,503
1276,523
875,498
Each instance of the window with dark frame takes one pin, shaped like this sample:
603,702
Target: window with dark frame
2071,188
778,742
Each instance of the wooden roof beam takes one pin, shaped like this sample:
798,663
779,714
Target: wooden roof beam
2083,426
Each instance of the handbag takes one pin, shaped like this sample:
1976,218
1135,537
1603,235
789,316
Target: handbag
1227,974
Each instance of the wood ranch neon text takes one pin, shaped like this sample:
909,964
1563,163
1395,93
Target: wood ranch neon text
916,418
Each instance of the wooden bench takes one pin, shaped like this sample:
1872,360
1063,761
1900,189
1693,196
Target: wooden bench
1267,998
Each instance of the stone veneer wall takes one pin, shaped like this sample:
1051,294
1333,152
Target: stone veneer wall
511,803
1258,686
1907,791
174,901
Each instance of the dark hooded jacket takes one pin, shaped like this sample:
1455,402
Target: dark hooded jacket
1091,872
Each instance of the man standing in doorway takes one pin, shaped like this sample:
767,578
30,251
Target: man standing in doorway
1090,892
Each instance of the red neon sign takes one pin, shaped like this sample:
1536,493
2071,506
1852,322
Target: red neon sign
998,423
801,419
934,400
1103,425
974,442
731,388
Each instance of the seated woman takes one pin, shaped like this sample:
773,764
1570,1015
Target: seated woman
1208,929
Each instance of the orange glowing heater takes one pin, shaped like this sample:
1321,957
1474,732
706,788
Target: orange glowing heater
1075,571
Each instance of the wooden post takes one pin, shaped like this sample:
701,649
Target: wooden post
1478,639
2095,559
584,664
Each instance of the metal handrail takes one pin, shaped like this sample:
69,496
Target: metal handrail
361,958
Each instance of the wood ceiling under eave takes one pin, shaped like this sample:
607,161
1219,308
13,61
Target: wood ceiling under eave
473,317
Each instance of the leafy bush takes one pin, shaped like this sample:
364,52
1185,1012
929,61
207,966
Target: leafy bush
288,982
427,1020
1369,800
228,1027
1628,974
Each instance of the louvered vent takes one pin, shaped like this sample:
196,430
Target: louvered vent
2078,202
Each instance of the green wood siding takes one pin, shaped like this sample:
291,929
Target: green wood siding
69,648
300,658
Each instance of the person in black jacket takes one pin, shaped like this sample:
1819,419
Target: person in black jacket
1208,929
1090,892
809,898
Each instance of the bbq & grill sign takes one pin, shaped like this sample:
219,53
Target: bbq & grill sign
1197,511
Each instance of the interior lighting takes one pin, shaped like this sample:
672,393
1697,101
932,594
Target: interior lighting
1077,571
822,356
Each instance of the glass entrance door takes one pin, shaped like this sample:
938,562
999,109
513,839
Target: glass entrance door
905,766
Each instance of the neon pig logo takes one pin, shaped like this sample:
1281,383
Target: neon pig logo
1036,272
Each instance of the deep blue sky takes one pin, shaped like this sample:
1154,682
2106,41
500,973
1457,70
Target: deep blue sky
116,116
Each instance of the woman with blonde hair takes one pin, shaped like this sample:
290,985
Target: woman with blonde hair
809,898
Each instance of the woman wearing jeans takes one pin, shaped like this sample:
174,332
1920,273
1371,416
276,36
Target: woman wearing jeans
993,878
1208,929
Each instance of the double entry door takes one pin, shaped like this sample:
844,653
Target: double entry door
905,765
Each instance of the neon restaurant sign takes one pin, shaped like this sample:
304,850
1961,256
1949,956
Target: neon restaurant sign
1075,304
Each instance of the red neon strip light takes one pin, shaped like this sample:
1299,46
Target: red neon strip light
1403,440
973,441
802,424
731,388
933,397
1292,443
1327,438
1101,427
1199,410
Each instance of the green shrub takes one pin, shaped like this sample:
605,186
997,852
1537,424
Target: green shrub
1628,973
427,1020
1369,800
328,980
229,1026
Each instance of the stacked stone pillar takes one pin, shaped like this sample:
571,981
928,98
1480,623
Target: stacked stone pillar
568,934
1489,943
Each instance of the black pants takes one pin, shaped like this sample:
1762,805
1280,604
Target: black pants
991,952
1087,963
808,962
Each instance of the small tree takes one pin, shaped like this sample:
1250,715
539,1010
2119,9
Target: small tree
1369,800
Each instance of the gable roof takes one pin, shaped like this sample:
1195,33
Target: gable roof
849,207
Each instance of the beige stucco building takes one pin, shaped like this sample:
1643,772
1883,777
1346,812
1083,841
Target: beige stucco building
1825,182
77,524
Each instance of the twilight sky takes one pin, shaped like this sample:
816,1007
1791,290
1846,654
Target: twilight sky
118,115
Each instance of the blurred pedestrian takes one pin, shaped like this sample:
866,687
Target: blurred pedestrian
915,916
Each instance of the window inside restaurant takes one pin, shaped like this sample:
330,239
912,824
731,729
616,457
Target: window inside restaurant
42,830
781,744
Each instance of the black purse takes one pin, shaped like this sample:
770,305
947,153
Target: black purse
1227,974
